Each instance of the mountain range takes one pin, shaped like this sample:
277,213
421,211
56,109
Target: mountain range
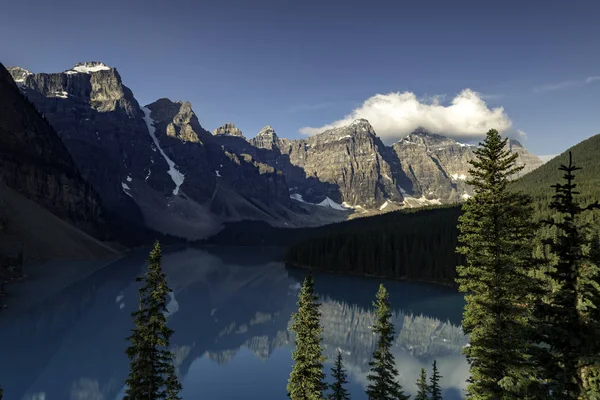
156,166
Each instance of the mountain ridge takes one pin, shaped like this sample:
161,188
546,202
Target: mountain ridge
158,159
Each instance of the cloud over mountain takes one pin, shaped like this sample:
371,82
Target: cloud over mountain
394,115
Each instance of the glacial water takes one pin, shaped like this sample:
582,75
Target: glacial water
230,310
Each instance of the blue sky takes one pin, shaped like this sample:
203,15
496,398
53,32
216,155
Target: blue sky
299,64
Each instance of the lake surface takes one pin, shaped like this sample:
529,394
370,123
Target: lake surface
230,310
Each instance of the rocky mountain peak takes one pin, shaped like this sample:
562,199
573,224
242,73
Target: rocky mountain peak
357,128
228,129
423,137
514,142
19,74
267,131
266,139
179,120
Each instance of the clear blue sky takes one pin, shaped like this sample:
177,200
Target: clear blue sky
293,64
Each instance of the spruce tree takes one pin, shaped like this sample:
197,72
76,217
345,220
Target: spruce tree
306,381
434,386
382,378
338,391
151,372
569,318
496,235
422,387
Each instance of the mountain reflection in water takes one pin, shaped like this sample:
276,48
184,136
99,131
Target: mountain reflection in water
231,310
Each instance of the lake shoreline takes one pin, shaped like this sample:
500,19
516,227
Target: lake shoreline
368,276
44,279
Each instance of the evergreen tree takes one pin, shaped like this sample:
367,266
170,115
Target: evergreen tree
338,391
496,233
306,381
1,392
434,386
382,378
422,387
568,318
151,371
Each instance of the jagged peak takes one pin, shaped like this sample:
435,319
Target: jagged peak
88,67
267,131
515,142
360,121
19,74
228,129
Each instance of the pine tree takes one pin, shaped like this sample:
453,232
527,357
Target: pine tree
496,233
382,378
1,392
568,318
338,391
151,372
306,381
422,387
434,383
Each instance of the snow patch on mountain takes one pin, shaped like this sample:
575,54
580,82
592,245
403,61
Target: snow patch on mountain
461,177
331,204
297,197
384,205
176,176
88,68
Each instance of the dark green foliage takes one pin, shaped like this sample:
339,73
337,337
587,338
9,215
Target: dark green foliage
306,381
1,392
538,182
496,232
151,371
405,244
338,391
568,317
422,387
382,378
435,390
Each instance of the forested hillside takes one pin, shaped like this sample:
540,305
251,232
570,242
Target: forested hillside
405,244
421,244
586,155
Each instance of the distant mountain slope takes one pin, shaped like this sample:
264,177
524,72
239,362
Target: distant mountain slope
421,245
45,205
585,155
156,166
28,227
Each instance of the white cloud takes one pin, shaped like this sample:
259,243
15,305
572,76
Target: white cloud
555,86
550,87
394,115
591,79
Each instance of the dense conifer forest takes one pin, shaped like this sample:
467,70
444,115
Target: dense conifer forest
406,244
537,183
420,244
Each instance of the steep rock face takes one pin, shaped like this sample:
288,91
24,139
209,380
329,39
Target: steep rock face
348,164
436,166
229,129
207,162
35,162
267,139
526,159
101,125
352,158
184,141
